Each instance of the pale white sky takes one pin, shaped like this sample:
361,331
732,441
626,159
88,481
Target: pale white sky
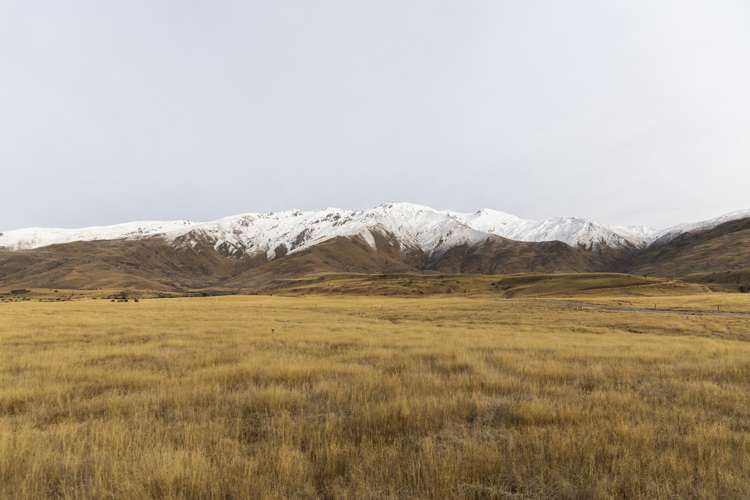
631,111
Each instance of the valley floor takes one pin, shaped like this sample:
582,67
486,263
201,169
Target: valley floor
376,397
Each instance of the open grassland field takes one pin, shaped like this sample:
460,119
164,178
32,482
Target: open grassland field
702,303
312,396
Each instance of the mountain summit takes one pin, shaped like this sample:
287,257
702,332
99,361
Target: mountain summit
414,226
258,251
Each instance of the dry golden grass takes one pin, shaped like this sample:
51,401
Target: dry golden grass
500,285
710,302
356,397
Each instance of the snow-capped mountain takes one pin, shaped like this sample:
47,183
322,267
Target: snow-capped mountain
412,226
37,237
671,233
571,230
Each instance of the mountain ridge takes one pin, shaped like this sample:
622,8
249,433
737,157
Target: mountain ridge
417,226
245,255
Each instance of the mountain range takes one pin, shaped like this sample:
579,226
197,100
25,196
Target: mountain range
252,251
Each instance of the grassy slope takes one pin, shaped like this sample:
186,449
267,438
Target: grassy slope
413,284
148,264
719,255
507,286
366,397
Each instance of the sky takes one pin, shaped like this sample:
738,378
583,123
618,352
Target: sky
625,111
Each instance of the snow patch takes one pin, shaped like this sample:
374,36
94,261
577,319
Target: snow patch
414,227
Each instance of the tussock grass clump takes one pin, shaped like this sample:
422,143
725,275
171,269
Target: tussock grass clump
311,397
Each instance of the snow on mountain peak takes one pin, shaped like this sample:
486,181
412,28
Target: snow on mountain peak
574,231
670,233
35,237
416,227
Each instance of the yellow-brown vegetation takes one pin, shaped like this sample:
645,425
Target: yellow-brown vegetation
375,397
500,285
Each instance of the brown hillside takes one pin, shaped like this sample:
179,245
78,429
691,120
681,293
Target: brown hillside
338,255
139,264
719,255
506,286
503,256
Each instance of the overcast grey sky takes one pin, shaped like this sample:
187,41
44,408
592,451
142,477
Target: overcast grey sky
633,112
